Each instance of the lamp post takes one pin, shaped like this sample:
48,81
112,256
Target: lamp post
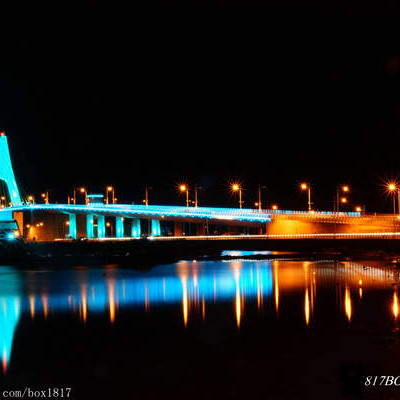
110,189
306,186
83,190
183,188
344,189
45,197
259,197
235,187
196,197
146,196
392,188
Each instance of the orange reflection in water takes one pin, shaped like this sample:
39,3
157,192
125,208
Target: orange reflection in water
4,361
185,306
45,301
32,306
84,303
111,301
182,268
276,285
347,303
307,307
236,266
395,305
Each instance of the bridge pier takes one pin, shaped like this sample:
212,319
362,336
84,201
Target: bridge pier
200,229
101,226
119,227
155,227
72,225
89,226
135,230
178,229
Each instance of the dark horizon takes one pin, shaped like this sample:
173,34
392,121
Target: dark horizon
85,110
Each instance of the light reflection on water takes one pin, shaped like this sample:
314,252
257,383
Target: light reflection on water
191,285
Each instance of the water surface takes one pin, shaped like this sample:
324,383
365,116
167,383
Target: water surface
236,328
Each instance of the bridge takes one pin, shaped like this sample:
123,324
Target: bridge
97,220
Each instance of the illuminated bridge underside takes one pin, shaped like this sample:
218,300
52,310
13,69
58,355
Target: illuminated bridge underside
191,214
198,214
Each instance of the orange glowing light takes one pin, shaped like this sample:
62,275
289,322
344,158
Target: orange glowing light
345,188
4,361
303,186
343,200
395,305
392,187
307,307
83,190
109,188
111,301
84,303
32,305
182,188
347,303
274,207
358,209
235,187
45,301
185,304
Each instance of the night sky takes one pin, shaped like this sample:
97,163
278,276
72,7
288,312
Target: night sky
165,105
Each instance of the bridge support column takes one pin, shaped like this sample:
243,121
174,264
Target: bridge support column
135,231
178,229
72,226
101,226
200,229
119,227
89,226
155,227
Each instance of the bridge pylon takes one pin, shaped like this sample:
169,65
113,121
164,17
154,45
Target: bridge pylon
7,172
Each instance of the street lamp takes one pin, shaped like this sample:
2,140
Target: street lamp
259,203
343,189
110,189
31,199
146,195
83,190
196,198
183,188
274,207
392,188
45,197
235,187
306,186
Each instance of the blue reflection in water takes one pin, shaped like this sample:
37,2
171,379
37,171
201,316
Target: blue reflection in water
10,300
106,290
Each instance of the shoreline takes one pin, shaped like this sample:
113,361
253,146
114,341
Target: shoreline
144,253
